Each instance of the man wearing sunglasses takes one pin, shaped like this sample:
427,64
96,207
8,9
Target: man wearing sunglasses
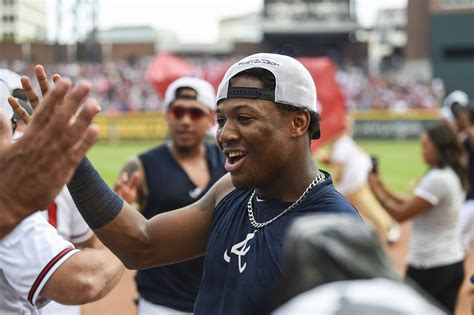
170,176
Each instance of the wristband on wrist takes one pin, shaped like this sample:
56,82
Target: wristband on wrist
97,203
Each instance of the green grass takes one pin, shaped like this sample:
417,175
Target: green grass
109,158
399,161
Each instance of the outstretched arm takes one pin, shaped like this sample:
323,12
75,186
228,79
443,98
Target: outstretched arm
166,238
400,209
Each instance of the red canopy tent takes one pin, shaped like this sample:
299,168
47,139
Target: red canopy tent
214,73
164,69
331,100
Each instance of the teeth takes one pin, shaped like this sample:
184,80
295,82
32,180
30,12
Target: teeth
234,154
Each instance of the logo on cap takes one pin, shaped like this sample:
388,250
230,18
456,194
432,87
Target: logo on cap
259,61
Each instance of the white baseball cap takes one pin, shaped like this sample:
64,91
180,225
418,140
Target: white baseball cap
457,96
205,91
9,81
294,84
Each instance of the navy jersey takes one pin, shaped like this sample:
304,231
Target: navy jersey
243,267
169,187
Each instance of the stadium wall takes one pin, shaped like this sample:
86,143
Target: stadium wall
386,124
369,124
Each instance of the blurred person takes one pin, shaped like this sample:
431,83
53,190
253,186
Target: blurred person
350,168
266,112
336,265
37,265
459,113
436,256
455,111
62,214
466,217
171,176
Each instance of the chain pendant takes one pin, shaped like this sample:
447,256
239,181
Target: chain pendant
258,225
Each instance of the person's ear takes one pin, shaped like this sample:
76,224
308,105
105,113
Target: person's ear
300,123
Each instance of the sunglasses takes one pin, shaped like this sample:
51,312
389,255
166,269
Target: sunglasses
180,112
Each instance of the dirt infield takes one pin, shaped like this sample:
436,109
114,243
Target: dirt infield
121,300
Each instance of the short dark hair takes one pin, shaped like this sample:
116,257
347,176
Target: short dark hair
269,83
457,109
449,149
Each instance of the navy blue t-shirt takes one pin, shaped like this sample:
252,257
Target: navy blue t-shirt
243,268
169,187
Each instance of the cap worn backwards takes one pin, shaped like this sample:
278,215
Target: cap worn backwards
294,84
455,97
204,90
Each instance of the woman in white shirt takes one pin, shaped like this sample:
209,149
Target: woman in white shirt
436,256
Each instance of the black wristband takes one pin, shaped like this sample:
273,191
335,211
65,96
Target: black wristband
97,203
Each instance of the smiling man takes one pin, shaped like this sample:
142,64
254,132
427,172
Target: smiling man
266,114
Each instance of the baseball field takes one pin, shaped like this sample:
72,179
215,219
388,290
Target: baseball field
400,165
399,161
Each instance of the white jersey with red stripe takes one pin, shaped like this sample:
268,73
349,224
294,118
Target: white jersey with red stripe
29,255
64,216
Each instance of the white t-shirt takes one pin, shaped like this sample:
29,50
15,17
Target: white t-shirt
356,163
65,217
435,241
29,255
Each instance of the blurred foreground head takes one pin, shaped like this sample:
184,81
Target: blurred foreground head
326,248
337,265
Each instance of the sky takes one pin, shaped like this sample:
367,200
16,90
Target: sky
194,21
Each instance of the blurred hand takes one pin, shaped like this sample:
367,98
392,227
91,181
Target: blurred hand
35,168
127,188
374,180
34,100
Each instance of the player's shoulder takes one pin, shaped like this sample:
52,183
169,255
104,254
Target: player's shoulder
34,221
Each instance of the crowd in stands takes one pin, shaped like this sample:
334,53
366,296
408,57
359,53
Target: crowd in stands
398,93
121,86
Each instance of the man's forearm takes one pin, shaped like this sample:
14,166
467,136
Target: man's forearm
104,273
119,227
85,277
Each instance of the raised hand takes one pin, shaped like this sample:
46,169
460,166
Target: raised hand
34,100
35,168
126,187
